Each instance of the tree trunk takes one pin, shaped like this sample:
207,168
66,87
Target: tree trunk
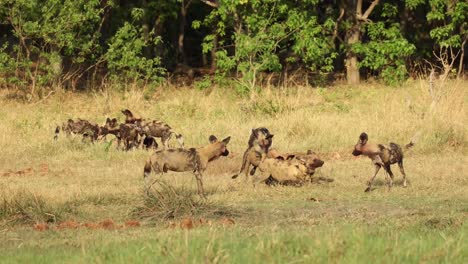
353,36
352,69
146,29
180,43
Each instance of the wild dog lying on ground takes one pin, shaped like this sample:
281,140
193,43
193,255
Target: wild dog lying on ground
153,129
289,172
180,160
80,126
381,156
259,143
309,159
296,167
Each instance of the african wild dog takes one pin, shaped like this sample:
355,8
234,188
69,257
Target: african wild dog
381,156
130,117
290,171
290,168
259,143
83,127
180,160
163,131
153,129
310,159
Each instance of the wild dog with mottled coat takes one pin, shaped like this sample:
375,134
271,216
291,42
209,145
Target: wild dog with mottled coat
181,160
381,156
80,126
309,158
153,129
286,168
259,144
287,172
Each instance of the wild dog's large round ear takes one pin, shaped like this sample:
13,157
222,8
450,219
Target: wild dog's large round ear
269,136
226,140
254,132
310,152
213,139
363,138
290,157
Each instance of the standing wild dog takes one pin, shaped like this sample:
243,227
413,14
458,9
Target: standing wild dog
259,143
180,160
153,129
130,117
163,131
381,156
82,127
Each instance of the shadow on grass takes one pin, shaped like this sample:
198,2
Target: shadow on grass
165,202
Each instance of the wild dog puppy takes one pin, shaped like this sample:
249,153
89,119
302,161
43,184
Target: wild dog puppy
153,129
130,118
162,130
180,160
381,156
259,143
82,127
110,127
128,134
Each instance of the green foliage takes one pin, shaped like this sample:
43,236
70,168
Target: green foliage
60,42
385,52
450,19
125,56
203,84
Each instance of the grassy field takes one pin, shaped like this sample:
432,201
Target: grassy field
69,201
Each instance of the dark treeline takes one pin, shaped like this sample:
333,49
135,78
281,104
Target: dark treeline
81,44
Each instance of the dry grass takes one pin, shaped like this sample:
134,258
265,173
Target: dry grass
86,182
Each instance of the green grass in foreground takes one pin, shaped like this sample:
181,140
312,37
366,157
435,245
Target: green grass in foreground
344,243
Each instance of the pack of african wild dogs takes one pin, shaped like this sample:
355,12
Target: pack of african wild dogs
294,168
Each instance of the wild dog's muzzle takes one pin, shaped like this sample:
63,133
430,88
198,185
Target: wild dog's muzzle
356,153
225,153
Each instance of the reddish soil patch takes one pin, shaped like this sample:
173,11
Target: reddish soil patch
68,225
41,227
132,223
42,170
107,224
187,223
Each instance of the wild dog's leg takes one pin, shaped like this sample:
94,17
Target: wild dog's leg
245,165
402,170
155,166
201,191
166,136
369,183
57,131
390,174
252,171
